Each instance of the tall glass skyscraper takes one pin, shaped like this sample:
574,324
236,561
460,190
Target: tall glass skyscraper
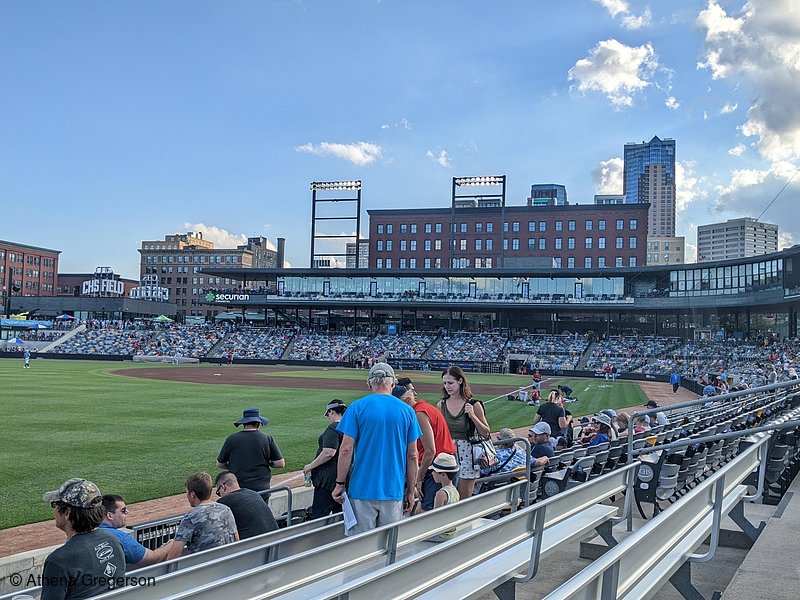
649,176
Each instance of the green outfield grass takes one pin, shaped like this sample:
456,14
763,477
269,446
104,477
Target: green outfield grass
141,438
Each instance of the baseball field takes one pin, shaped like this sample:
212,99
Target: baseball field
140,431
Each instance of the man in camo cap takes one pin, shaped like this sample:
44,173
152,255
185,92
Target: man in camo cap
91,561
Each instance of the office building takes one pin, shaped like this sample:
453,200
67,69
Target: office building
363,255
548,194
179,258
736,238
476,236
649,177
27,270
664,250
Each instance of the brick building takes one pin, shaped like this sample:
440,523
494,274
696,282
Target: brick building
179,258
480,236
28,270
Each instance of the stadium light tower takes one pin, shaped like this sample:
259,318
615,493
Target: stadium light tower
482,192
348,193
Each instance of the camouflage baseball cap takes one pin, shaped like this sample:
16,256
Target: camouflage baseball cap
80,493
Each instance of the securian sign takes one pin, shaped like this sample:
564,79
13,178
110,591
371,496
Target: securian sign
212,297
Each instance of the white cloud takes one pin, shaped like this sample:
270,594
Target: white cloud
401,124
616,70
690,253
634,22
758,50
621,8
737,150
785,240
614,7
672,103
443,159
688,186
358,153
705,116
752,191
728,108
742,179
607,176
222,238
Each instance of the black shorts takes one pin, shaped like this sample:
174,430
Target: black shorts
429,489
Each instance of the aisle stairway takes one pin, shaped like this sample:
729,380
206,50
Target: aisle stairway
70,334
585,357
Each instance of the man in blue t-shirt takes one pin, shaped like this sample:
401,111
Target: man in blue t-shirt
675,380
380,443
115,517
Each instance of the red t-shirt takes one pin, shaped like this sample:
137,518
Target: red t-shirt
442,441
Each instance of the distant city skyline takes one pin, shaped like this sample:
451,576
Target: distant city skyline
124,122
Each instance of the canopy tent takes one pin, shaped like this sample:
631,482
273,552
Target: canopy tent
64,317
162,319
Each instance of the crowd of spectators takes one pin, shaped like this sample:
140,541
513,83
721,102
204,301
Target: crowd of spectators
256,343
742,360
122,325
464,346
334,347
183,340
411,344
631,354
171,340
561,352
40,335
106,341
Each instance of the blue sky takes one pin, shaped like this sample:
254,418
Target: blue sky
125,121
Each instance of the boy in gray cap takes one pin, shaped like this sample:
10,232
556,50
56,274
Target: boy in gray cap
91,561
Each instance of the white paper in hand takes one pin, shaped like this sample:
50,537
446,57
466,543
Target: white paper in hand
347,512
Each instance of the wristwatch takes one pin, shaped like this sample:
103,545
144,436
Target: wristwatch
340,483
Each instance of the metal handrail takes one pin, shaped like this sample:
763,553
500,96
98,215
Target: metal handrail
141,529
280,488
526,488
